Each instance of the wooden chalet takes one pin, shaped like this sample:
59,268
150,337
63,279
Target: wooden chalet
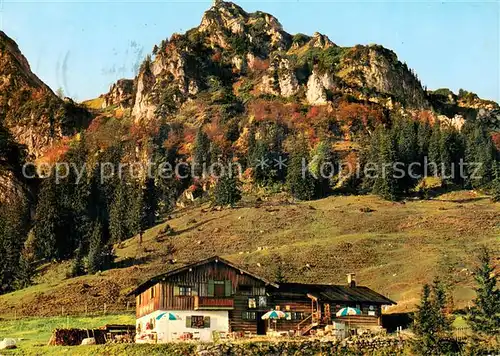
214,296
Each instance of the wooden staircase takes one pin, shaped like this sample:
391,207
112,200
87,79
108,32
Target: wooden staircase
309,323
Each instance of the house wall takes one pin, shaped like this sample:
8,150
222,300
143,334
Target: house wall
301,303
148,301
169,330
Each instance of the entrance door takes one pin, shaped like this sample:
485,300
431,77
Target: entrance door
261,324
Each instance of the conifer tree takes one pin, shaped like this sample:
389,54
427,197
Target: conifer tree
227,191
96,253
386,185
451,148
431,324
77,267
135,214
201,156
299,180
251,145
25,271
150,200
13,268
434,158
484,316
495,191
48,228
406,152
479,155
261,162
424,133
322,167
118,224
439,303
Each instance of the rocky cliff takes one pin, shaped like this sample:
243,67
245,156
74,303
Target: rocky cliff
233,45
28,108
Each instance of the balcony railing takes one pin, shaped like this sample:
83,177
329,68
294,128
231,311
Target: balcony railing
222,303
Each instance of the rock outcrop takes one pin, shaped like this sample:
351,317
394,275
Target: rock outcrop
120,94
234,46
28,108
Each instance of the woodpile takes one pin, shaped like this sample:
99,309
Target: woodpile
73,337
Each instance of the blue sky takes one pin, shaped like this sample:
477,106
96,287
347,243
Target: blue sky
84,46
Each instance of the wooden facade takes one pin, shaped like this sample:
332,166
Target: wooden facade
211,286
216,284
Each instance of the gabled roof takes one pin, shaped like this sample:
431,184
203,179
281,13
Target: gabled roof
152,281
334,293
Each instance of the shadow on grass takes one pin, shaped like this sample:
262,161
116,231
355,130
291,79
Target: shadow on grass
131,261
196,226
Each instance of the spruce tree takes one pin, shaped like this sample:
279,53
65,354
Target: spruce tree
439,303
322,168
251,145
118,213
25,271
406,152
150,200
484,316
434,156
495,184
96,253
451,152
262,164
135,214
386,184
227,191
299,180
48,221
425,326
201,155
424,133
13,222
77,267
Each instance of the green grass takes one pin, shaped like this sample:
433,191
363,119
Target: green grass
36,332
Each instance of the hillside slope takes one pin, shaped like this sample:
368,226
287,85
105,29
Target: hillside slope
29,108
392,247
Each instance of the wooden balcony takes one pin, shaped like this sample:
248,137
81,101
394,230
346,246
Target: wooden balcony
359,320
213,303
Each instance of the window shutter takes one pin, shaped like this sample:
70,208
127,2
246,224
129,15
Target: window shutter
177,291
188,321
228,288
210,288
206,322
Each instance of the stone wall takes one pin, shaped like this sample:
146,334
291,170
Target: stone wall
381,346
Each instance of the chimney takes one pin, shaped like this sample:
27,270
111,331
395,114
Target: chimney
351,279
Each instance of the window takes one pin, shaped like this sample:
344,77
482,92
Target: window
197,321
258,291
252,303
249,315
297,315
152,292
245,290
140,299
262,301
185,291
219,288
